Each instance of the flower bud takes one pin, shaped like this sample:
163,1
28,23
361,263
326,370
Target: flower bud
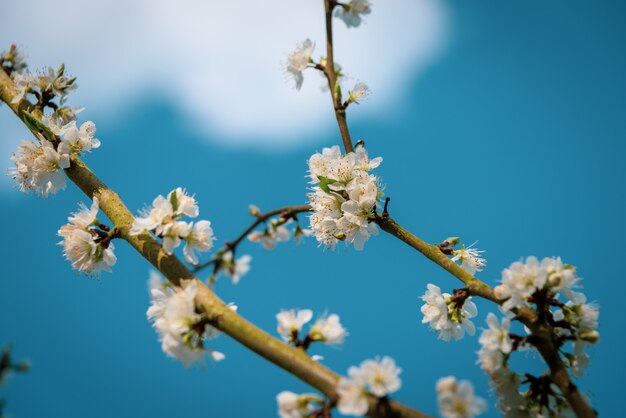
453,241
590,336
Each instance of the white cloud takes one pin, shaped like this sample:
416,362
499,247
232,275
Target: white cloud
220,60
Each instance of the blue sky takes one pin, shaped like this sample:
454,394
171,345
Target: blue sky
513,135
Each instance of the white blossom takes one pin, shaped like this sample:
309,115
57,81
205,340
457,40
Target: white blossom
353,394
298,61
174,316
154,218
85,216
291,321
351,13
80,139
293,405
381,376
200,238
22,83
237,268
359,92
271,235
470,258
457,399
173,233
328,330
496,337
495,343
182,203
510,401
562,278
37,167
86,256
445,317
343,197
521,280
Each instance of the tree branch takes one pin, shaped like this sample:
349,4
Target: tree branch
335,92
542,332
286,211
293,360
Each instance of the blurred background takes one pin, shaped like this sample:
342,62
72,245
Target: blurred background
502,122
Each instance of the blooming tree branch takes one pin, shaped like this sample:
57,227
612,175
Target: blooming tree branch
542,333
285,213
345,198
218,314
331,74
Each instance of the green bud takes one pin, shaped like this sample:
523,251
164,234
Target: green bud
340,236
453,241
590,336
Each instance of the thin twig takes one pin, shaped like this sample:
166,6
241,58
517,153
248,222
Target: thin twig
285,212
335,93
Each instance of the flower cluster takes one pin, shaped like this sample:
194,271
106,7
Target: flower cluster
378,377
292,405
163,219
44,86
343,196
327,329
38,164
351,12
86,242
543,283
456,399
182,328
447,314
12,60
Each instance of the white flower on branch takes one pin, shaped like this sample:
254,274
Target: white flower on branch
182,330
293,405
359,92
182,203
351,13
343,197
457,399
273,233
496,337
381,376
235,269
87,250
80,139
520,281
561,278
173,233
378,377
290,322
470,258
14,57
510,401
446,316
154,218
328,330
199,238
353,394
22,83
163,218
298,61
37,167
495,344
